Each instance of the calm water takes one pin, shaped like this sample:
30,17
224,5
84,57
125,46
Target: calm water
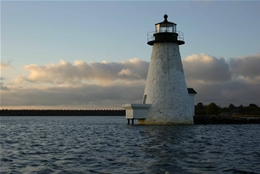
108,145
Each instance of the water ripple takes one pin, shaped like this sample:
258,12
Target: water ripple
64,145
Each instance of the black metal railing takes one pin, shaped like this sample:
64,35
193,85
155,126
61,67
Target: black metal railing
150,36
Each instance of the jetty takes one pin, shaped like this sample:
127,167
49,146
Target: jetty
62,112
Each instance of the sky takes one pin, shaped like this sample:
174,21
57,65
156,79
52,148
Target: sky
85,54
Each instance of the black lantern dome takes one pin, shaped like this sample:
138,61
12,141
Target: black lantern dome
165,32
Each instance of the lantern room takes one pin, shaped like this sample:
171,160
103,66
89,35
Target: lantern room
165,32
165,26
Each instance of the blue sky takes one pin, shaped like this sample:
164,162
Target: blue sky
43,33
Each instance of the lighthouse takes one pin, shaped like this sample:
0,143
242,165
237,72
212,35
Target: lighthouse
166,99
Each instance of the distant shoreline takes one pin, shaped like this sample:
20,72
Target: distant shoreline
45,112
216,119
198,119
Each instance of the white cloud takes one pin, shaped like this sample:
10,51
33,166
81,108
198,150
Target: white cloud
206,68
128,74
5,66
83,95
111,84
2,87
80,71
216,80
246,66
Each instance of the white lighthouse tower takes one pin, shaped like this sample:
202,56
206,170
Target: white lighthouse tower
166,98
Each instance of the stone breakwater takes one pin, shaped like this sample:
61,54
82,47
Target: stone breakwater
210,119
198,119
94,112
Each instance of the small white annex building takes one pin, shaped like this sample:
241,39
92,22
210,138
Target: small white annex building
166,100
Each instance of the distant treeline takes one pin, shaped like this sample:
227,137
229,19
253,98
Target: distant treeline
231,110
214,114
32,112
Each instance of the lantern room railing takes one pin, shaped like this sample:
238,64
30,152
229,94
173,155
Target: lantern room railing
150,36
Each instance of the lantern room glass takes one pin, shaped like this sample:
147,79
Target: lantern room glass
165,27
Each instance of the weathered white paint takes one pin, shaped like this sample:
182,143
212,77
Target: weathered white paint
136,111
166,88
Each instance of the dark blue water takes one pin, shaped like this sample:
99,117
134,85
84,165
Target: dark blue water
108,145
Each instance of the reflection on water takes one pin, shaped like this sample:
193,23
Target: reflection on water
109,145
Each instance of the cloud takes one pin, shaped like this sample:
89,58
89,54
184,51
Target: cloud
84,95
111,84
79,84
224,81
206,68
2,87
5,65
80,72
246,66
128,74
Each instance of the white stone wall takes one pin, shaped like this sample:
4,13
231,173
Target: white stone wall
166,88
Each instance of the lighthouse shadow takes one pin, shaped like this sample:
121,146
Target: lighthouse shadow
164,147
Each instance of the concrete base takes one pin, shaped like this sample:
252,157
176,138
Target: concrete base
164,122
136,111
